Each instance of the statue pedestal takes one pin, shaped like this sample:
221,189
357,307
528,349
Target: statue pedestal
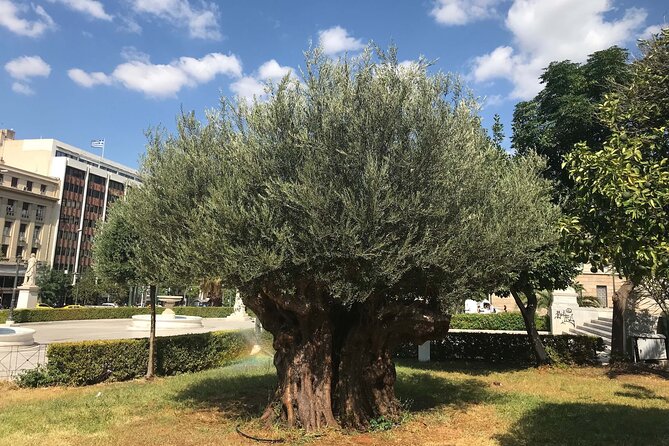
27,296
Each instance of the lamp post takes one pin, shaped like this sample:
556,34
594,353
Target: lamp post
12,304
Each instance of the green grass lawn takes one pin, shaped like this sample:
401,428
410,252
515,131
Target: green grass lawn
448,404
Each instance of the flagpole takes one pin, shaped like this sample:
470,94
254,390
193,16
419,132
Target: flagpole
104,141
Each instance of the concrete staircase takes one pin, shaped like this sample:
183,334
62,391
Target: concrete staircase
597,327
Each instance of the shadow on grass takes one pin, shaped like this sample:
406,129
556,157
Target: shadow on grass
640,393
636,369
473,368
243,390
424,391
589,424
239,391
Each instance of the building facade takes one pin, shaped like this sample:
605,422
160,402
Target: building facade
83,185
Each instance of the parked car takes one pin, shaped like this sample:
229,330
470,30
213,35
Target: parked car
73,306
109,304
41,305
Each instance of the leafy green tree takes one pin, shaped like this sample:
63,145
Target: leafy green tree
116,260
86,291
55,286
550,268
353,210
621,190
565,111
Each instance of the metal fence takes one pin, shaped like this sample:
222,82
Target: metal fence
16,359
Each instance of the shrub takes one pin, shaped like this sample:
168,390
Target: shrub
73,314
508,347
496,321
90,362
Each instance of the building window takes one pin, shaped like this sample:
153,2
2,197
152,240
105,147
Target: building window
25,212
7,230
10,208
19,251
36,233
39,213
15,182
602,295
34,251
42,189
29,186
22,232
2,178
4,251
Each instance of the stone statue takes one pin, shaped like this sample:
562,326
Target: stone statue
239,307
31,271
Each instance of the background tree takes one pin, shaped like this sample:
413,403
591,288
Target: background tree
550,268
621,191
116,260
352,210
55,286
87,291
565,111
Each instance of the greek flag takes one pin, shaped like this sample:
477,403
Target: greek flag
98,143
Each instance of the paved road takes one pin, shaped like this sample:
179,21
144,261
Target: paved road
66,331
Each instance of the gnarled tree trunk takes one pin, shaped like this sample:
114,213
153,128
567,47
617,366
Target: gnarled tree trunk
334,364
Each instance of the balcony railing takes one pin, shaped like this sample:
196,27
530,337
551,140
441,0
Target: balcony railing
10,211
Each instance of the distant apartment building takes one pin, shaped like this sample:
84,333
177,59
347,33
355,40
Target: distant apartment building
83,185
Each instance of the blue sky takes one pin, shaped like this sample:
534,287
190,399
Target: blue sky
77,70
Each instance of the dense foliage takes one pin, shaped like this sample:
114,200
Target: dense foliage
511,348
91,362
565,111
496,321
55,286
621,191
353,209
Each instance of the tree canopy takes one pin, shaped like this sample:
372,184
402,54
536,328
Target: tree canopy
354,209
565,111
621,190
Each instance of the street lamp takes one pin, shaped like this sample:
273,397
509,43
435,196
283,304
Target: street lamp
12,304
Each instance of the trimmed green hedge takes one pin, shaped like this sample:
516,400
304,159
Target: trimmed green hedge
73,314
496,321
508,347
90,362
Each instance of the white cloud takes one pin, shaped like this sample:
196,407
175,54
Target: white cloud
271,70
10,19
21,88
336,40
248,87
25,67
162,80
93,8
88,80
461,12
548,31
201,23
129,25
130,53
253,86
652,30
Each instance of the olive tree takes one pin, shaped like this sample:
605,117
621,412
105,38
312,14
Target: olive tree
354,209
